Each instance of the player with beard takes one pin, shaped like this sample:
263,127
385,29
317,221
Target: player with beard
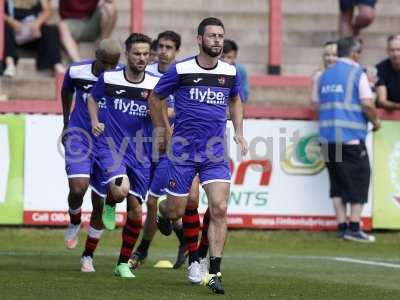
203,87
168,45
120,146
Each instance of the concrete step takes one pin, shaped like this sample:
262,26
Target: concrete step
209,6
28,88
310,7
280,95
326,22
317,39
312,55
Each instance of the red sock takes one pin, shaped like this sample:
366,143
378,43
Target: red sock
92,240
75,216
203,248
191,229
130,234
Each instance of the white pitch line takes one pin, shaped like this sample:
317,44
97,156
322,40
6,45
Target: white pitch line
366,262
253,256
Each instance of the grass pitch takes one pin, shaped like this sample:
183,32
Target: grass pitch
257,265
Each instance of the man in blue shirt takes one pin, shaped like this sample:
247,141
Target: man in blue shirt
203,87
345,104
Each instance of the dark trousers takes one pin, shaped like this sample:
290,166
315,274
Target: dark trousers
47,47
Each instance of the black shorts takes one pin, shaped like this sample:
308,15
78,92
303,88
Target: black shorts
346,5
349,176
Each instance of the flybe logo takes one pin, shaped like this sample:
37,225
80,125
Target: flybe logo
207,96
130,107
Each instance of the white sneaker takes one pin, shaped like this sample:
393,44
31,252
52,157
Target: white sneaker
194,274
87,264
10,71
71,236
203,267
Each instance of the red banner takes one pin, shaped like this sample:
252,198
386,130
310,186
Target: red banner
61,218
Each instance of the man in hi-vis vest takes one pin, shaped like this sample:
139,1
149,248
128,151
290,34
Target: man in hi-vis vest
346,104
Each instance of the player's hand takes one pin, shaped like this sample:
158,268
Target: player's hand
241,141
63,134
376,125
160,139
97,128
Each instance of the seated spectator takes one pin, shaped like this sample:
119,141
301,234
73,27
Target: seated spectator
85,21
25,27
388,85
350,25
229,55
329,57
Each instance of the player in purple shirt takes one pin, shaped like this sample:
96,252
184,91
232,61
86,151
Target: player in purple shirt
120,145
78,142
168,45
203,87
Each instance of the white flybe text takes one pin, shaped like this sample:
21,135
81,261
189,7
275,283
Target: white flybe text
208,96
130,107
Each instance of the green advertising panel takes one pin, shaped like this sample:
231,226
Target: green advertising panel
12,144
386,176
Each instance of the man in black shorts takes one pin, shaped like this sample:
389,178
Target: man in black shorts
388,87
345,104
350,25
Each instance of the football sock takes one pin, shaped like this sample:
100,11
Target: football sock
191,229
130,234
203,248
342,226
75,216
354,226
92,240
143,247
215,264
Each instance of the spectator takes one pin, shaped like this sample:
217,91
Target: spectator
229,55
388,85
350,25
25,26
153,58
345,107
329,57
85,21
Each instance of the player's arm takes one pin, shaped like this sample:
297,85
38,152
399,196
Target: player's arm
93,108
67,94
66,99
166,86
159,117
236,112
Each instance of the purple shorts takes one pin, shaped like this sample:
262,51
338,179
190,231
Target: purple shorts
79,145
180,177
98,180
158,177
137,174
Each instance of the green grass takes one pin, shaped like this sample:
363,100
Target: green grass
256,265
